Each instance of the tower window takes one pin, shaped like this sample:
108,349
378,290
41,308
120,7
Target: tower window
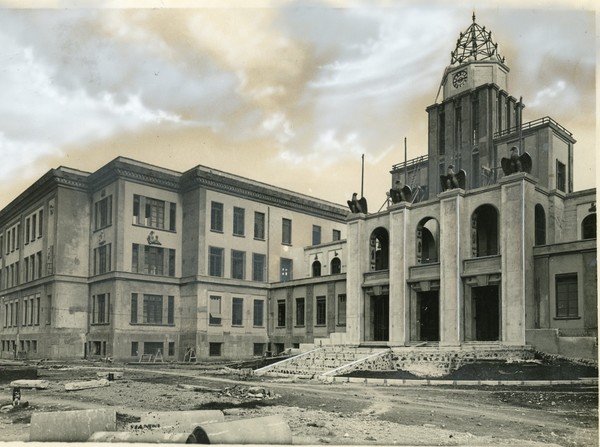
442,133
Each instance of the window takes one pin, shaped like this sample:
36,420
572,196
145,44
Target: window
281,313
286,269
588,227
102,257
27,225
153,347
171,262
215,262
561,176
41,223
475,169
566,296
26,269
172,216
215,310
33,227
34,345
238,221
379,249
24,321
316,268
136,209
171,310
540,225
153,260
39,263
259,306
37,311
316,235
135,258
171,351
237,312
49,309
458,127
134,349
155,213
475,120
484,231
336,266
238,264
134,308
258,267
341,310
441,133
100,308
214,349
216,216
286,232
102,213
299,311
259,225
337,235
259,349
321,311
153,305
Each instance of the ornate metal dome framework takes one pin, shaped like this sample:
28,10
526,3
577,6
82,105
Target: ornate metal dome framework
475,44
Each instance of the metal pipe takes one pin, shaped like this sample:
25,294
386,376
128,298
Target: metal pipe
405,164
147,437
71,426
362,176
263,430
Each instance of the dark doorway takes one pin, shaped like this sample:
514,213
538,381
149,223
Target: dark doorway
380,317
428,315
486,313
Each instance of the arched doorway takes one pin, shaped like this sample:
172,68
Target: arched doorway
484,231
335,266
379,249
428,232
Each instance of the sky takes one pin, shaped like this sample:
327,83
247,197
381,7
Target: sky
289,93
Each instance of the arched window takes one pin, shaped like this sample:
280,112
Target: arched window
379,248
588,227
540,225
428,233
336,266
316,268
484,231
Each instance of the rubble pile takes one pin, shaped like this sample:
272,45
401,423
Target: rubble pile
251,392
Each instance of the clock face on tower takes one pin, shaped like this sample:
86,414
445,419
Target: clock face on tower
459,79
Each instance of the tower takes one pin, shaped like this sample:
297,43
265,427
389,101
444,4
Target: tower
475,104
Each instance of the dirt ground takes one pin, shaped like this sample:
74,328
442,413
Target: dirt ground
321,413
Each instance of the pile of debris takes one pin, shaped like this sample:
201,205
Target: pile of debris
245,392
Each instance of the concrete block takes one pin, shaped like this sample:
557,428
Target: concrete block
263,430
24,383
74,386
71,426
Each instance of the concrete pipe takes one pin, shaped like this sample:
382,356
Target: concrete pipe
71,426
147,437
263,430
179,421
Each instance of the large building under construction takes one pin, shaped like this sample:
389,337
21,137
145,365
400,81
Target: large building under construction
135,259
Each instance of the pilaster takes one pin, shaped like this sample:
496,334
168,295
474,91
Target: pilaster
399,304
358,255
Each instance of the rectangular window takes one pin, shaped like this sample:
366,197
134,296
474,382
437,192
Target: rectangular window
258,267
216,216
135,257
31,304
215,310
237,312
32,266
259,306
153,306
134,349
33,226
286,231
172,216
341,310
153,347
567,301
214,349
153,260
34,345
134,308
215,262
475,120
259,225
337,235
102,213
281,313
27,226
155,213
259,349
136,210
171,352
442,133
41,224
238,221
49,309
102,257
238,264
39,264
25,312
37,310
561,176
299,311
458,128
316,235
171,310
100,308
26,269
171,262
286,269
321,311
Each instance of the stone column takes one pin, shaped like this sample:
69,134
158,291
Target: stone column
357,265
452,217
516,248
399,294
